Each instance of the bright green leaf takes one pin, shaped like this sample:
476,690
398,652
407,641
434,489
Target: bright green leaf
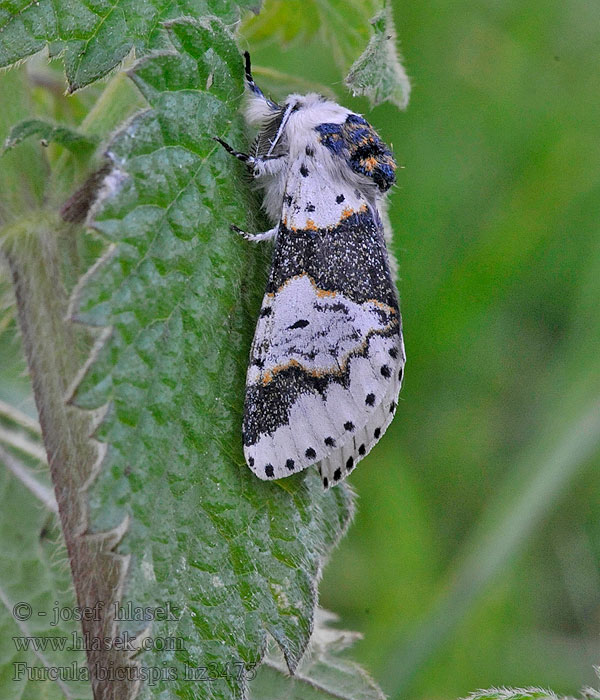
95,37
237,557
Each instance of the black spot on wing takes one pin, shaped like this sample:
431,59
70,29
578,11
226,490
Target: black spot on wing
350,259
269,403
269,471
310,453
310,151
340,198
266,311
301,323
303,170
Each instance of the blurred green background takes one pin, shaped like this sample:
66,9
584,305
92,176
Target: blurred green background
474,556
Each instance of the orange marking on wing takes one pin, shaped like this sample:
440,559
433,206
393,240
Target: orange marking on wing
324,293
370,163
348,211
310,225
270,374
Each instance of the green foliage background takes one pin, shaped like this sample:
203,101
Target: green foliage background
497,231
474,556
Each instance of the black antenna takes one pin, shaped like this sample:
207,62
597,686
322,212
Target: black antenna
249,77
253,86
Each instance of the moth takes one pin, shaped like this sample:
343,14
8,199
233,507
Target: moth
327,360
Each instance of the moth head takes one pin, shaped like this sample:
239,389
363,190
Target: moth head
313,109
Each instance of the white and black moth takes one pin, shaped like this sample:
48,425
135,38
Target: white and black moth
327,359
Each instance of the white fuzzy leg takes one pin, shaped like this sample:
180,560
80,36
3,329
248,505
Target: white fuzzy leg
271,165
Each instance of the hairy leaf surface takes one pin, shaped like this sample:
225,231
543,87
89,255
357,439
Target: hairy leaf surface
323,673
94,37
378,73
234,557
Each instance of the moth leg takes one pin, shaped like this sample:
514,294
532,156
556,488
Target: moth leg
259,166
256,237
267,165
244,157
253,87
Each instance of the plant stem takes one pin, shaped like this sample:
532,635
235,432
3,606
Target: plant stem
50,347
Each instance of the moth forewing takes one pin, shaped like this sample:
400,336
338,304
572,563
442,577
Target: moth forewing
327,360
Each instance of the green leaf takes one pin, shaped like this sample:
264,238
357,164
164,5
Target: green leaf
96,37
33,573
322,673
236,557
513,694
378,73
343,25
22,175
48,133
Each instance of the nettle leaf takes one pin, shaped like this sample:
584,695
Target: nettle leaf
322,673
513,694
343,25
178,294
96,37
378,73
49,133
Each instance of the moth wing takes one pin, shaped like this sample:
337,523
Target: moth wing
327,355
340,462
